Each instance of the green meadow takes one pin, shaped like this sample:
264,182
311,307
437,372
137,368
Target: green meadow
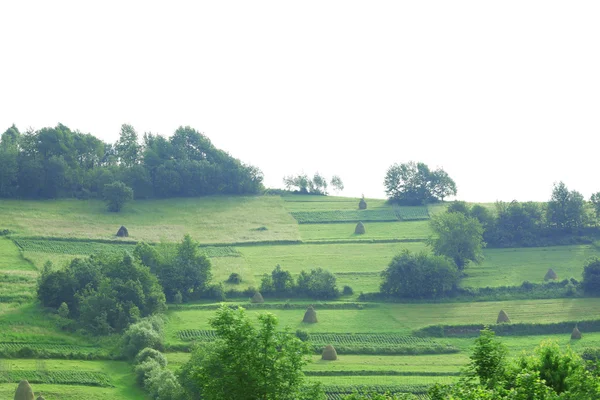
256,234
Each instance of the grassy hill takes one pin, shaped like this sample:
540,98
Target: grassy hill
249,236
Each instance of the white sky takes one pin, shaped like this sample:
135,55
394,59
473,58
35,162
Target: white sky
504,95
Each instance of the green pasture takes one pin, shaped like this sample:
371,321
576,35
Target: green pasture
412,230
510,267
405,318
214,219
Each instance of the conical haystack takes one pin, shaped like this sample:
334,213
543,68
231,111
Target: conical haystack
576,334
329,353
550,275
257,298
362,204
502,318
24,391
310,316
360,228
122,232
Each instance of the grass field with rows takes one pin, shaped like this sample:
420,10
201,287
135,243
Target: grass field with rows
213,219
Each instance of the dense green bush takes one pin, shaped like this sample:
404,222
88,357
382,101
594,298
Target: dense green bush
116,194
103,293
318,284
417,275
146,334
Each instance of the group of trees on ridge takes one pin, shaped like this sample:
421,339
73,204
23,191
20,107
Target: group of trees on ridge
58,162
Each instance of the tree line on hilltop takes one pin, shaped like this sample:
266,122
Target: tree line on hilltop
58,162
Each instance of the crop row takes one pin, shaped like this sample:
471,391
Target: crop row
87,378
338,392
317,217
71,248
57,351
369,339
277,306
385,215
43,346
374,372
89,248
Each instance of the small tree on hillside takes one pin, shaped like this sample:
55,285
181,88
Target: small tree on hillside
116,194
488,361
336,183
458,237
591,276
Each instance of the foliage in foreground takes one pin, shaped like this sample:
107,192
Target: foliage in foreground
550,373
246,362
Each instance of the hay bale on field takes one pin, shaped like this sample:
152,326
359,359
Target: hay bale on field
576,334
502,318
310,316
550,275
329,353
362,204
257,298
122,232
360,228
24,391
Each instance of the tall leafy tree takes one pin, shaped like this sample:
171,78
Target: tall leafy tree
414,183
565,210
247,361
457,237
127,147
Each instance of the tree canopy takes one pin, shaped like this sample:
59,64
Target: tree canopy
58,162
416,275
414,183
458,237
246,362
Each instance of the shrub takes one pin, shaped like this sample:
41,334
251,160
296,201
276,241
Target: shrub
151,354
280,282
418,275
360,228
116,194
318,283
329,353
216,292
146,333
347,291
302,335
257,298
570,289
63,310
162,384
502,317
310,316
234,278
143,370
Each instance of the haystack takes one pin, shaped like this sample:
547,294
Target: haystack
122,232
360,228
329,353
550,275
362,204
257,298
502,318
24,391
576,334
310,316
